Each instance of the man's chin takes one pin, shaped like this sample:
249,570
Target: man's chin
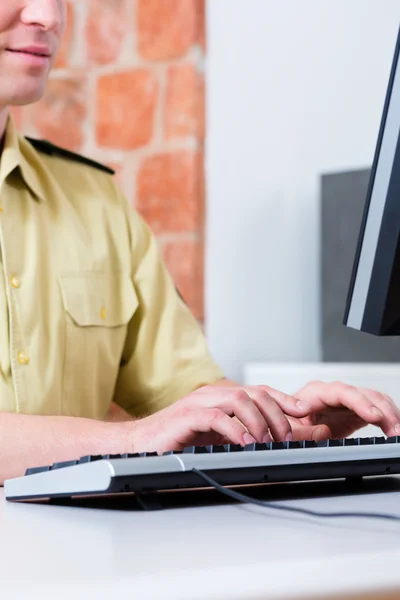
26,100
27,94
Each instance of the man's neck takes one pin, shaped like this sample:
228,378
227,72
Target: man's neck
3,123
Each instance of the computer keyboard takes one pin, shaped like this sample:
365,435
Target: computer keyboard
229,465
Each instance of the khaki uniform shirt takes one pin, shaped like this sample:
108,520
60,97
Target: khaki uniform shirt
88,312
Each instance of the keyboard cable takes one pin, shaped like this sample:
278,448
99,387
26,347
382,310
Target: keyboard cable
304,511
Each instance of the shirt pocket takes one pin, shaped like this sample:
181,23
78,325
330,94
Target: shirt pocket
97,310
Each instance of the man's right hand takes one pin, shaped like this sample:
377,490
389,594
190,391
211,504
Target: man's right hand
213,414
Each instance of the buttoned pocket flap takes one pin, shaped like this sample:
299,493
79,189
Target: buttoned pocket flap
97,299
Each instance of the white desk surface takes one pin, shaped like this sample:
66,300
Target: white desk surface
231,551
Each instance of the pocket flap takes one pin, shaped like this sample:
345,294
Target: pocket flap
99,299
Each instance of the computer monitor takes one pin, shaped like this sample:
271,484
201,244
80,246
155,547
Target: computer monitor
373,302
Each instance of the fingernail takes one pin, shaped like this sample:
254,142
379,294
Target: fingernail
248,439
303,405
267,439
397,428
376,411
289,437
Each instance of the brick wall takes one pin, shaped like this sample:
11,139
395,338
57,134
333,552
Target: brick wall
128,90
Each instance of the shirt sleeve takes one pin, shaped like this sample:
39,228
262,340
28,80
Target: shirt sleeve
165,355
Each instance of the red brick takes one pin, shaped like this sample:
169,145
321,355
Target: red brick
106,29
167,28
60,116
169,191
201,23
63,54
126,104
184,260
184,103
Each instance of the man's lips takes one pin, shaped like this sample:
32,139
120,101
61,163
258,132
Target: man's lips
32,50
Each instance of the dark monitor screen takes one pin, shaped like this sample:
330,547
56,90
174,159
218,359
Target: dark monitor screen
373,303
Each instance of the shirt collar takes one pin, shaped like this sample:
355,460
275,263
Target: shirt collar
19,154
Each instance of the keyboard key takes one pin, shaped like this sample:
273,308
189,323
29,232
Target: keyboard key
249,447
95,457
84,459
351,442
256,447
168,453
200,450
189,450
62,465
216,448
126,455
292,445
379,440
147,454
35,470
335,443
312,444
395,439
277,446
366,441
261,446
234,448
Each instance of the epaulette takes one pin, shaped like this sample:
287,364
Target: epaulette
52,150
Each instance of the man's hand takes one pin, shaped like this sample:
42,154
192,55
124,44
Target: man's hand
338,410
242,415
207,416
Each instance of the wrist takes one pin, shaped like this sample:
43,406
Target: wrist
116,438
127,435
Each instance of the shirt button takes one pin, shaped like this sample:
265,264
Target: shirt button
15,282
103,313
23,359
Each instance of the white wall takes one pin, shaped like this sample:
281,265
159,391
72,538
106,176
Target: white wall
295,89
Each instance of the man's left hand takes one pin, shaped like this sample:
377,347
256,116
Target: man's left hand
338,410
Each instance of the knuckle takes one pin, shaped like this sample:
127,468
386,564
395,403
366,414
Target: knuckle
215,414
342,386
184,409
344,389
316,383
242,397
289,399
265,389
262,396
375,395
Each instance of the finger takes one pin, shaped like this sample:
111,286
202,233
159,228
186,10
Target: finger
209,439
390,421
197,424
216,420
290,405
239,404
315,433
320,395
273,415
